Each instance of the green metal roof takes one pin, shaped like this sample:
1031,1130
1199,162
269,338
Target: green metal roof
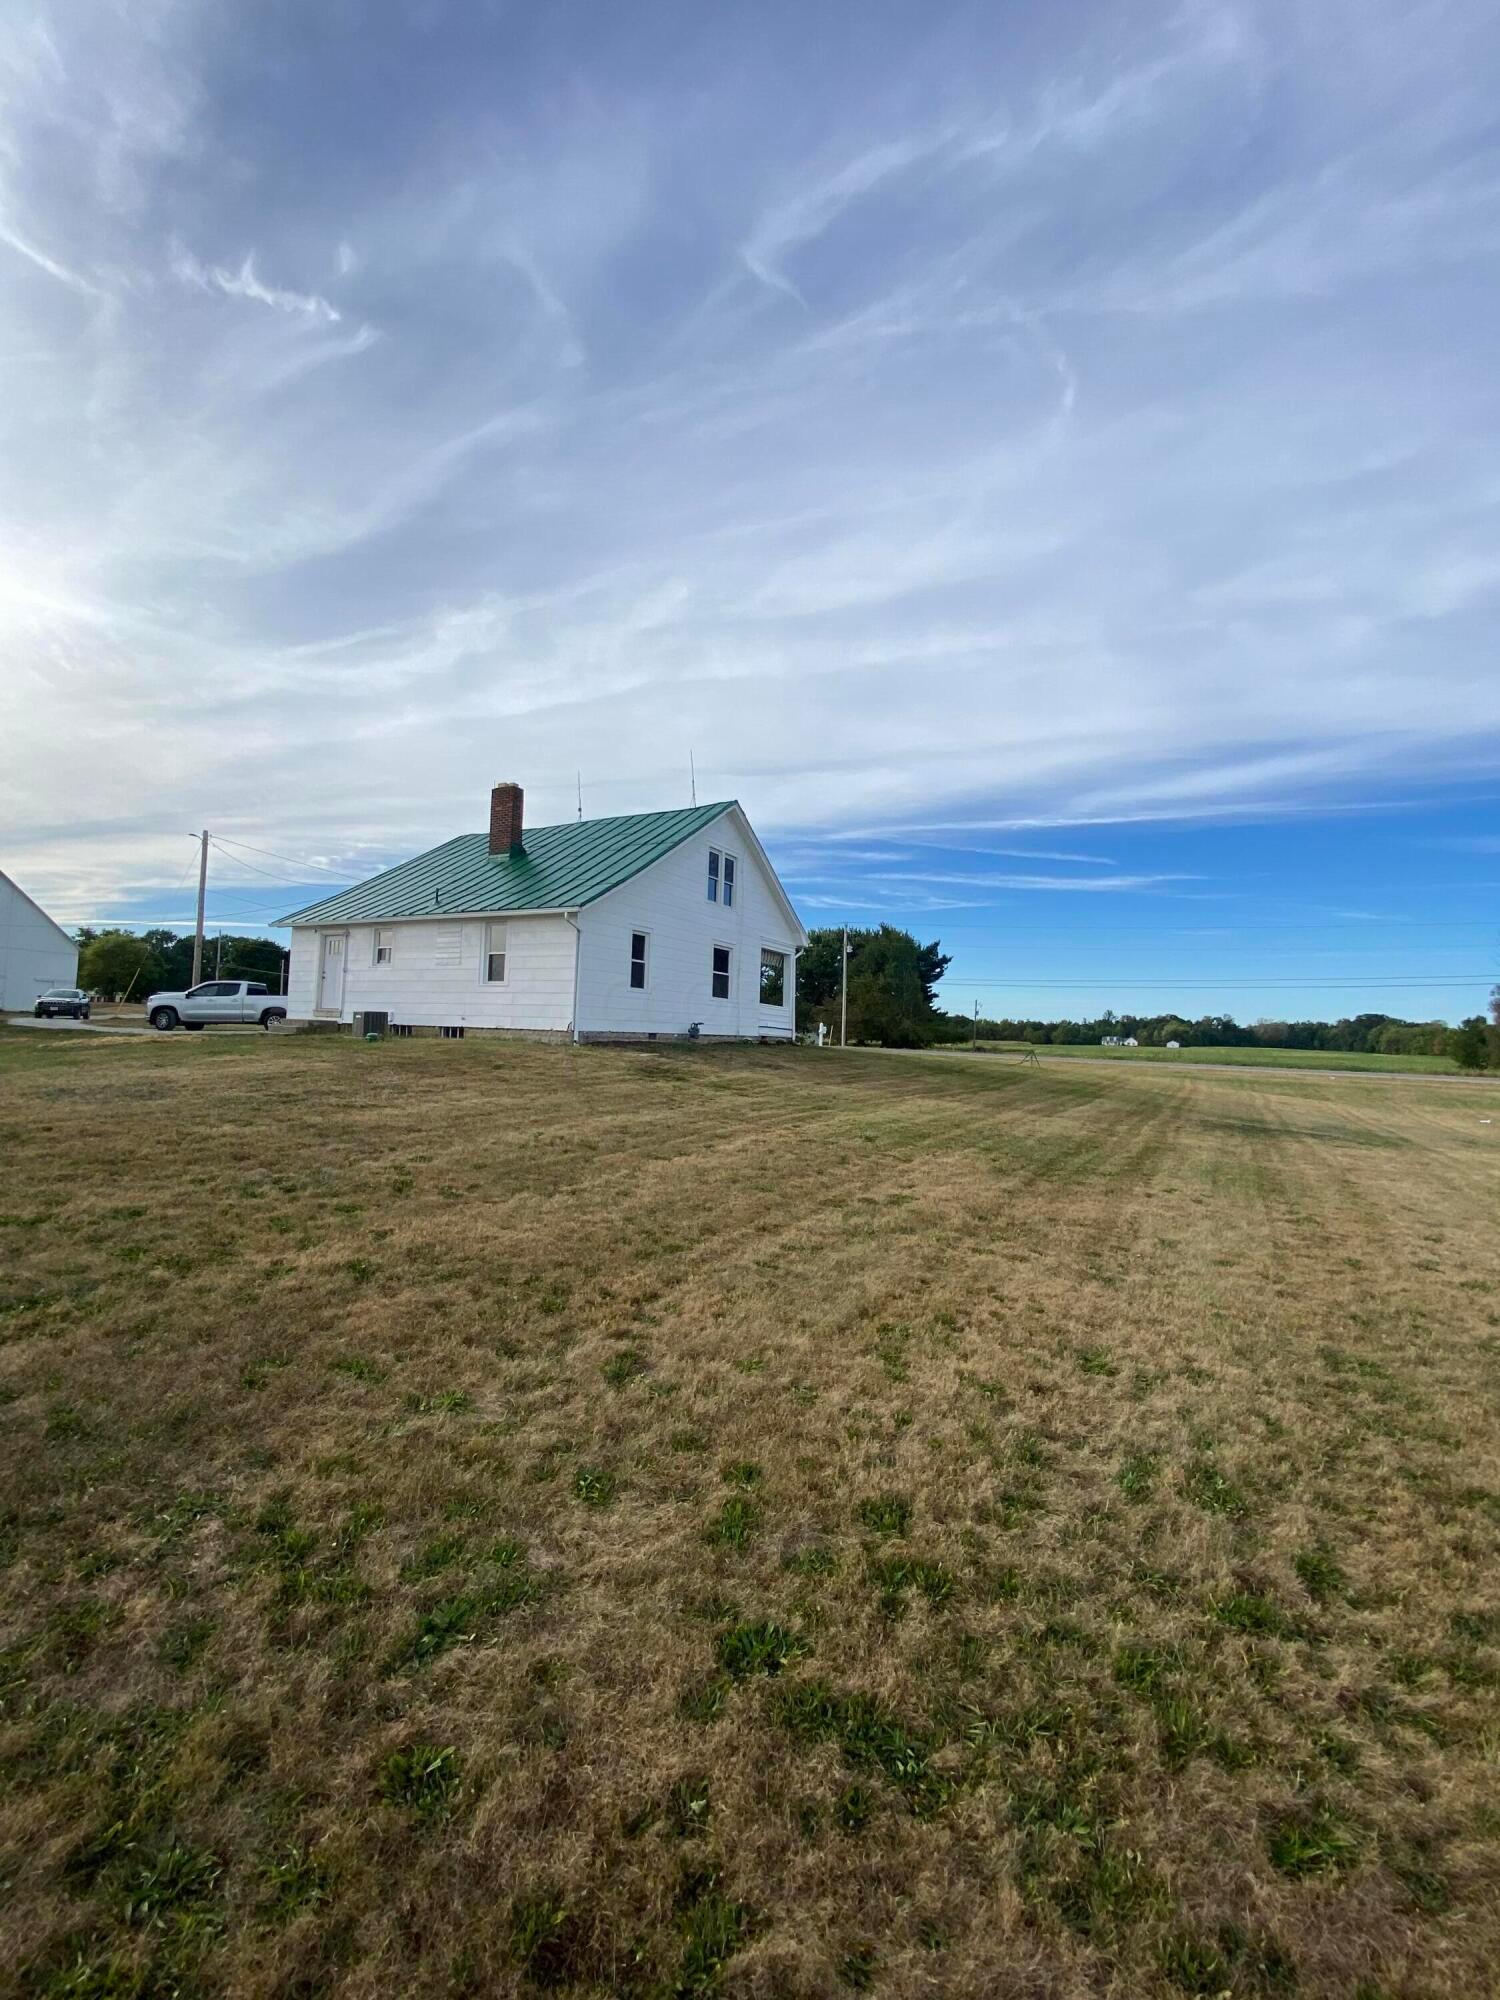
561,868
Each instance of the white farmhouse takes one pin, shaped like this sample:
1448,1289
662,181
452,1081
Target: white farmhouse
640,927
35,953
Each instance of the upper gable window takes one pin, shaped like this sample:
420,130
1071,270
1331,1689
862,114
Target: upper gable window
638,948
728,880
713,874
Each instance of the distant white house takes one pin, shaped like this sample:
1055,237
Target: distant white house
35,953
1118,1042
641,927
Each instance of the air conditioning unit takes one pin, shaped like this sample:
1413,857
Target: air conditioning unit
371,1023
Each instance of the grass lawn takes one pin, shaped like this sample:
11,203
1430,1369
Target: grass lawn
1251,1058
483,1519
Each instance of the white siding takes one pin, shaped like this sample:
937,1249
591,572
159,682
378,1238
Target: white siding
34,953
669,901
435,978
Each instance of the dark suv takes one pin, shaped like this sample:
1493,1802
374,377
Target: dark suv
71,1001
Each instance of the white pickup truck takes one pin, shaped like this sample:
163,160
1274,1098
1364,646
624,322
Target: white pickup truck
243,1001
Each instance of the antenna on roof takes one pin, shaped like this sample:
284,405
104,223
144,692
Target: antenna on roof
693,773
580,795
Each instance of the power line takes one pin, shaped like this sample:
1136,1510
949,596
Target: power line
1233,979
319,867
134,920
240,862
1371,926
1346,956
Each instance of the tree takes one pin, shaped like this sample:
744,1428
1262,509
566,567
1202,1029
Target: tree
1468,1044
891,979
233,956
118,963
887,1001
818,970
932,963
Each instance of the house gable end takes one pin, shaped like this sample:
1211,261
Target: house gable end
33,904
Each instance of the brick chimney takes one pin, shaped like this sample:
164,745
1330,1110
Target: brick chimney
505,820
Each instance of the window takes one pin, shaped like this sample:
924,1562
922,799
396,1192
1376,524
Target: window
728,880
638,960
384,944
773,979
713,874
494,954
721,972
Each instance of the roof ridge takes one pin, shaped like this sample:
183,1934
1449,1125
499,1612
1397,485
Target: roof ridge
563,866
614,819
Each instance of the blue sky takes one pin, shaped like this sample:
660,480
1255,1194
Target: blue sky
1041,460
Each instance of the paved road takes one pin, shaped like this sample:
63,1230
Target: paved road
112,1028
1233,1069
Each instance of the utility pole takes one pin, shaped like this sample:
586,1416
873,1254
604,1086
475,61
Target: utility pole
975,1043
219,956
202,892
844,992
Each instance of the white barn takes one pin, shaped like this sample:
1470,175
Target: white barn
35,953
639,927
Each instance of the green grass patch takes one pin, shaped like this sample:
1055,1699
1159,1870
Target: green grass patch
422,1779
763,1647
886,1513
736,1524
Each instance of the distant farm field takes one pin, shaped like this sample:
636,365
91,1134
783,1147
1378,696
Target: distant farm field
482,1519
1256,1058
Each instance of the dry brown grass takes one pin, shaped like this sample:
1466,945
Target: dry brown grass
484,1518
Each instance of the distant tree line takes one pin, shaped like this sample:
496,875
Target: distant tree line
120,965
1473,1044
893,983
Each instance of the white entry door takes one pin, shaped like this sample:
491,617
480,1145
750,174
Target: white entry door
331,973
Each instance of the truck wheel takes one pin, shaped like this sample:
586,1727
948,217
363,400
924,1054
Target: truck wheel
272,1014
164,1019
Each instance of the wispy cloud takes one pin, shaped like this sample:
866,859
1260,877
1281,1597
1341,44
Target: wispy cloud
951,440
1067,884
74,281
804,216
245,283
